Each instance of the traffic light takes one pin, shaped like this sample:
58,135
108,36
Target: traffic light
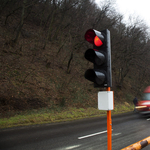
100,56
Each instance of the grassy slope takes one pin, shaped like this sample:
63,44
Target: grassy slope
58,115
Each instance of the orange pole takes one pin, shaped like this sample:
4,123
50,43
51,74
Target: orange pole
109,128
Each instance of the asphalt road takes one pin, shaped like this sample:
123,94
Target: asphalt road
87,134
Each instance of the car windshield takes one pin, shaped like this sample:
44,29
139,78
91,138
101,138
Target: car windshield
146,96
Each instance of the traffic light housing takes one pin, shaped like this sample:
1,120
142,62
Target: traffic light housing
100,56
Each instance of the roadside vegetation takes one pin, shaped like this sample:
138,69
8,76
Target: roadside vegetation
47,115
42,60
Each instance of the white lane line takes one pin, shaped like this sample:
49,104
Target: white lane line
115,134
72,147
148,119
86,136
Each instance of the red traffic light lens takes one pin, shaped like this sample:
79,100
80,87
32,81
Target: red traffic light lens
97,41
94,37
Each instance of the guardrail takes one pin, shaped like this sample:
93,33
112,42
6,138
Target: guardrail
138,145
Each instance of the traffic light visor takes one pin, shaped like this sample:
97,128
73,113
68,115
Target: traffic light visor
90,35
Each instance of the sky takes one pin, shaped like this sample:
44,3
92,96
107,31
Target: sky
134,8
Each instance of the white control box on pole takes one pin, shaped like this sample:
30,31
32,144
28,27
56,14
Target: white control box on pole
105,100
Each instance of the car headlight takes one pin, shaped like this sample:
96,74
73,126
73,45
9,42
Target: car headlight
138,107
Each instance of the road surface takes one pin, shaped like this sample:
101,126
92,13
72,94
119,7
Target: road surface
86,134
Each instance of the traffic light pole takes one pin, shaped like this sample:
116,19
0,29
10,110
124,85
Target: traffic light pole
109,127
100,56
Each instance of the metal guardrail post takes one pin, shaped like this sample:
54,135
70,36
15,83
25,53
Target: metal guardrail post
138,145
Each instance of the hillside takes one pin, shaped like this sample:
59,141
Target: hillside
42,60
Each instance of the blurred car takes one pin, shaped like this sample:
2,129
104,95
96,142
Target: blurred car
143,106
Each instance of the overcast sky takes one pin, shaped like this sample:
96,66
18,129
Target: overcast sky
135,8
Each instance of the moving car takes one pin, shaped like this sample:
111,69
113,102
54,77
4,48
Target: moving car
143,106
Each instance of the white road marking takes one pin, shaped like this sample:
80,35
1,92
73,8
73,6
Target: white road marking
148,119
115,134
86,136
72,147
